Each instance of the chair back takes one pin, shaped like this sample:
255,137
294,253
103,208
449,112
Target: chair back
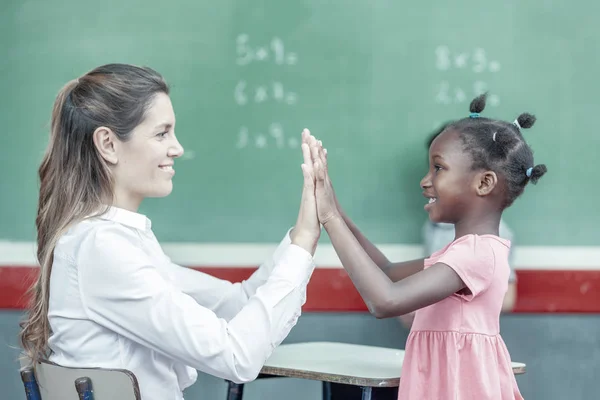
55,382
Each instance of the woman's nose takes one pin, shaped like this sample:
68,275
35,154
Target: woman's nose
176,150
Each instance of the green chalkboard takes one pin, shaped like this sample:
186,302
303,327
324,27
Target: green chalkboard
370,78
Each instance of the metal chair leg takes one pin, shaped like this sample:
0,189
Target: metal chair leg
235,391
84,388
326,390
366,393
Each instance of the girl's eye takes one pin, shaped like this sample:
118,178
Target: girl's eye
437,168
162,134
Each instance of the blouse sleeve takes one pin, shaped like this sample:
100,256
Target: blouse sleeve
225,298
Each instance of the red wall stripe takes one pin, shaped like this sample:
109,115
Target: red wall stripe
14,282
330,290
558,291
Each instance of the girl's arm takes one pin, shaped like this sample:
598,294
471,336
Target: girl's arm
396,271
383,297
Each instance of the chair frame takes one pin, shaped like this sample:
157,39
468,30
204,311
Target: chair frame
83,384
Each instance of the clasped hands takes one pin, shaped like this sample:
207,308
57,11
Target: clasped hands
318,205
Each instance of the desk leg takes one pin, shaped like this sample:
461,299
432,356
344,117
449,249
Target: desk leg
235,391
366,393
326,390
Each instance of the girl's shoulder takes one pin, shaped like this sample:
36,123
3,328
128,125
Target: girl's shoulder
471,245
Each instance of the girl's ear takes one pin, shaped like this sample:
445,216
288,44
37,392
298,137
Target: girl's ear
485,182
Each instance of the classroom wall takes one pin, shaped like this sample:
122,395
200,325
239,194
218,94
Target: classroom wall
562,353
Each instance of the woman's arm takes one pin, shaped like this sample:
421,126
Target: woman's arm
123,290
223,297
226,299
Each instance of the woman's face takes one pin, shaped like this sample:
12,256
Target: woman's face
144,165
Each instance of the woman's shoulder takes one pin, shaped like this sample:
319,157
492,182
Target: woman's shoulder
93,231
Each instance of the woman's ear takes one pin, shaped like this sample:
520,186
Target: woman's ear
485,182
104,140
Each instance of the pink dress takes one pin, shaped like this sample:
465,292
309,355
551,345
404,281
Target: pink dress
454,350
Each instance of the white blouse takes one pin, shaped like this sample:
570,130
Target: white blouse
117,301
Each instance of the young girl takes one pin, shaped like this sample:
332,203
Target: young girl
477,168
107,296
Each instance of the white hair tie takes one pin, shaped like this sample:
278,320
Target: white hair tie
516,122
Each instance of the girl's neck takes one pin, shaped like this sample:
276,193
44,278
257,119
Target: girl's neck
488,224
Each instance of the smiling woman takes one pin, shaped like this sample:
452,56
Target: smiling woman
107,296
144,162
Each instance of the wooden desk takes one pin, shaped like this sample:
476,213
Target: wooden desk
331,362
